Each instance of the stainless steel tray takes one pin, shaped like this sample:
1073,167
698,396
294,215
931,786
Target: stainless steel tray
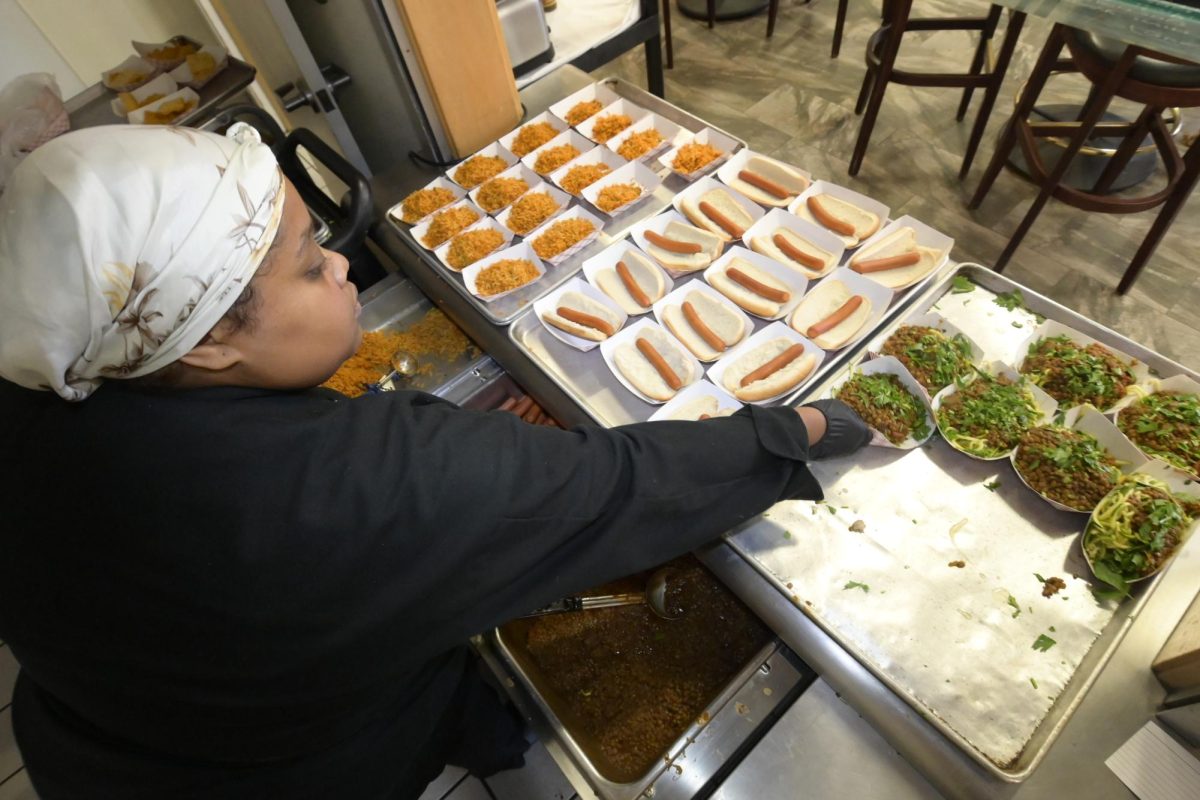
507,308
877,483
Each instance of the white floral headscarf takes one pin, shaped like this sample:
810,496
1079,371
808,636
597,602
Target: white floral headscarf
121,247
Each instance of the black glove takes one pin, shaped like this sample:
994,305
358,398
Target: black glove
845,432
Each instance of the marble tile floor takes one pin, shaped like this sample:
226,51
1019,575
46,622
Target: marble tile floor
788,99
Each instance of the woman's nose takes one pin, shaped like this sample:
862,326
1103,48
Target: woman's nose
341,267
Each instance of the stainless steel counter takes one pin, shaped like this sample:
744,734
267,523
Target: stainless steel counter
873,744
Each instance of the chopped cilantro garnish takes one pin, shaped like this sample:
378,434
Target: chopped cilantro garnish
992,486
1012,601
1034,682
961,285
856,585
1043,643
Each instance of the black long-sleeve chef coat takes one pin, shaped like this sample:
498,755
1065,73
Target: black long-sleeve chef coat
240,593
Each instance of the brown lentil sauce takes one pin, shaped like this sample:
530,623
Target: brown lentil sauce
505,275
608,126
424,202
562,235
552,158
616,195
499,192
992,409
580,177
530,211
694,156
1166,425
583,110
467,248
886,405
477,169
1073,375
447,223
1067,466
628,684
640,143
531,137
933,359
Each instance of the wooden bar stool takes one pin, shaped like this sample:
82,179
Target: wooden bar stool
881,59
1156,81
839,22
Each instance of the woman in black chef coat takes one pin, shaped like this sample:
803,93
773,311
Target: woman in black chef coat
223,583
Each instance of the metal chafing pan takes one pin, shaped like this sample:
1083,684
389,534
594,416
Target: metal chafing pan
505,309
757,542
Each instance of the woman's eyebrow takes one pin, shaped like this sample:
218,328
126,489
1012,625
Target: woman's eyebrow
305,235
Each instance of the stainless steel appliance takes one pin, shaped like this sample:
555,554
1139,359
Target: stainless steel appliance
525,33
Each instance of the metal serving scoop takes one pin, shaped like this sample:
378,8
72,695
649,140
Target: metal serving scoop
404,363
654,596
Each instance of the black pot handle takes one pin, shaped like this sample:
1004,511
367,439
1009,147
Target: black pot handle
348,223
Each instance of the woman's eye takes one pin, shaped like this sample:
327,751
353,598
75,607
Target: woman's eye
317,270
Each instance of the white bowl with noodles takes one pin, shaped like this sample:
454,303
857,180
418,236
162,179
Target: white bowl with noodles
1042,402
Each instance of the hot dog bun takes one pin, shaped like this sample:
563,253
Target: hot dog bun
903,240
582,303
710,248
751,301
776,173
704,406
778,382
865,223
728,326
765,244
827,298
638,370
724,204
648,277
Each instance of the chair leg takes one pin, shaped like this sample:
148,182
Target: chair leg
654,66
1091,116
1170,209
666,15
977,62
891,46
1129,145
865,91
772,12
839,25
1008,138
1015,22
712,13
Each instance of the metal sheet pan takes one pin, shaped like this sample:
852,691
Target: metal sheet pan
506,309
966,687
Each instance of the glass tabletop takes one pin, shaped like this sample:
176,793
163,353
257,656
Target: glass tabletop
1168,26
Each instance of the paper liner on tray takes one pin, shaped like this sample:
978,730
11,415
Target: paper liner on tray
618,106
593,156
892,366
726,144
421,228
1044,402
575,212
708,184
778,218
506,141
658,225
880,297
141,65
672,135
161,85
796,283
925,237
1051,328
550,303
138,115
775,330
517,251
557,195
396,212
1086,419
494,149
144,49
488,223
608,258
569,136
726,404
595,91
728,172
799,206
517,170
680,293
627,336
1180,384
633,172
183,72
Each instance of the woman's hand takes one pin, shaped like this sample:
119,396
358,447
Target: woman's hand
839,431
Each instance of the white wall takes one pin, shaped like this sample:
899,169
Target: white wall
23,48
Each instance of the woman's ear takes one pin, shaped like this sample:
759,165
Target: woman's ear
213,356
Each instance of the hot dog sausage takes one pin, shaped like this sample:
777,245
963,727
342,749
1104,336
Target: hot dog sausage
703,417
869,265
639,296
659,363
713,213
768,186
522,405
706,333
774,365
671,245
833,320
586,319
795,253
758,287
828,220
508,404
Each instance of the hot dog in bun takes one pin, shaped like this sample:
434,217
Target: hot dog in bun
655,365
582,316
683,248
716,211
789,247
751,288
831,315
768,370
768,182
845,219
633,283
896,261
705,325
698,408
